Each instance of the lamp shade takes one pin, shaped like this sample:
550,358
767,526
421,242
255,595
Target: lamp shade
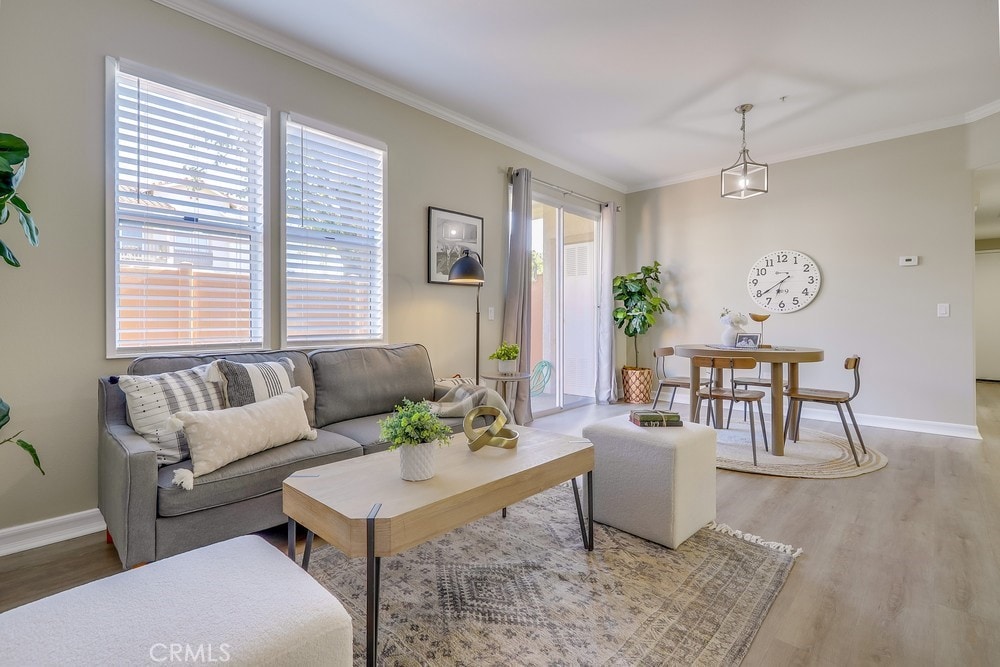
467,270
744,179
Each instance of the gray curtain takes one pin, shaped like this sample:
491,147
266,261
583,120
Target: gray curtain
517,302
606,390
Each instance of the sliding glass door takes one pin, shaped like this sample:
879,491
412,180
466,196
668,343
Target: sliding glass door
563,306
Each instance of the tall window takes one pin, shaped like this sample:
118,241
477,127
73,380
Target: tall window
187,253
334,251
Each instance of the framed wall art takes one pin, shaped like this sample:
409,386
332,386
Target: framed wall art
449,233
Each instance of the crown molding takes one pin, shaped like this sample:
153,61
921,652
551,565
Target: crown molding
326,63
984,111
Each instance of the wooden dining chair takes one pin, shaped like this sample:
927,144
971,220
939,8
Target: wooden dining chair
830,397
661,354
712,392
760,380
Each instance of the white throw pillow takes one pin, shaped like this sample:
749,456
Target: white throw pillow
218,437
153,399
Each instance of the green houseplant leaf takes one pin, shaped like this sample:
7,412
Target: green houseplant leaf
412,424
26,446
506,351
13,164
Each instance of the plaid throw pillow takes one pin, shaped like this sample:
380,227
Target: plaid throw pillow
153,399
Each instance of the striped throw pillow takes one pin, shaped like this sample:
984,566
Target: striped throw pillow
243,384
153,399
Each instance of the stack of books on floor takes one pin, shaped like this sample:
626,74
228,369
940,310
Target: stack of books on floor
654,418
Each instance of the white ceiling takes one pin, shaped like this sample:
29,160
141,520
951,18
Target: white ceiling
640,93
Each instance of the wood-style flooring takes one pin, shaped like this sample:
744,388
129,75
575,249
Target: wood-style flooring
900,567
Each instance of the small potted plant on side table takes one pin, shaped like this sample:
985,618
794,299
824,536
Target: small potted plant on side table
413,429
506,356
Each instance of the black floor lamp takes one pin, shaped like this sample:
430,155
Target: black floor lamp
468,270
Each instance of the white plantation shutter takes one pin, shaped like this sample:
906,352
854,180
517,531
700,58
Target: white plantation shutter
334,252
188,246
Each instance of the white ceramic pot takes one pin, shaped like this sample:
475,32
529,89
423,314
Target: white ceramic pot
507,366
416,462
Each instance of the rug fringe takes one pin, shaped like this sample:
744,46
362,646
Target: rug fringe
754,539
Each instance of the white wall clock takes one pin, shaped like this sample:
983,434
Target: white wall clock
784,281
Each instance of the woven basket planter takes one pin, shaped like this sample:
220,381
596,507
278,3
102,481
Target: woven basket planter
636,384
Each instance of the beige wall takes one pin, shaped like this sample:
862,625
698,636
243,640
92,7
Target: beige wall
53,338
855,212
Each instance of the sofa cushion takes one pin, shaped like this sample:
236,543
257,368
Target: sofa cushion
365,430
218,437
243,384
354,382
153,399
302,377
250,477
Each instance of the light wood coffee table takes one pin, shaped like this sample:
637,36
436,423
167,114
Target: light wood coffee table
363,508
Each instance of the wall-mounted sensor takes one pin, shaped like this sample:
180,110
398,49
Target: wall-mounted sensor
908,260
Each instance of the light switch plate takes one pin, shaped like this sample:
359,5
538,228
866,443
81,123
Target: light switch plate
943,310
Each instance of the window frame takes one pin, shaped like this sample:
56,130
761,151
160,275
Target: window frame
113,66
368,142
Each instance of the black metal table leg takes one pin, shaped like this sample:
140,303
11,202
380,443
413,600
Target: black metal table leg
587,541
590,509
374,572
308,551
291,539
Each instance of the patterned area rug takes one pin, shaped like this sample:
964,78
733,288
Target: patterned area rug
523,591
816,455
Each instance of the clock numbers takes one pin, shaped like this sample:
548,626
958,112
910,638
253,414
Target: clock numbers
784,281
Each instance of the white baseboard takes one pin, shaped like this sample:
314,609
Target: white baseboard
50,531
970,431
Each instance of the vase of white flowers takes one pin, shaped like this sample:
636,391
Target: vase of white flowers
733,323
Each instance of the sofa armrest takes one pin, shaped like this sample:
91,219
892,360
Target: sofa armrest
126,468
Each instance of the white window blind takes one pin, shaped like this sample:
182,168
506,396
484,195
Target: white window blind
334,252
188,242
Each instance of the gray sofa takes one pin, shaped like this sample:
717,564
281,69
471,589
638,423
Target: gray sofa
349,388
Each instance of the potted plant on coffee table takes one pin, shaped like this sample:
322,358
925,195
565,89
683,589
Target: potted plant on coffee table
506,356
641,303
413,429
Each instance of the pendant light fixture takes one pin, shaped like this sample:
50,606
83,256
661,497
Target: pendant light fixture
746,178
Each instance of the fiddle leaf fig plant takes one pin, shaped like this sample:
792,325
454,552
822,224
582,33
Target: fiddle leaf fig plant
641,302
13,162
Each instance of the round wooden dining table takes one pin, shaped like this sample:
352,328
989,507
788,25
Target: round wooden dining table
777,356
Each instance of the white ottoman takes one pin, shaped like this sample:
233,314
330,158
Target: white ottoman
654,482
241,601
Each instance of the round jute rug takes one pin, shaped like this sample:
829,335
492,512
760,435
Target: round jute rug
816,455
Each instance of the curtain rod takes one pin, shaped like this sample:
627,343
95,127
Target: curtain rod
510,176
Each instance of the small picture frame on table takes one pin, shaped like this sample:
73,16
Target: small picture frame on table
748,341
449,233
